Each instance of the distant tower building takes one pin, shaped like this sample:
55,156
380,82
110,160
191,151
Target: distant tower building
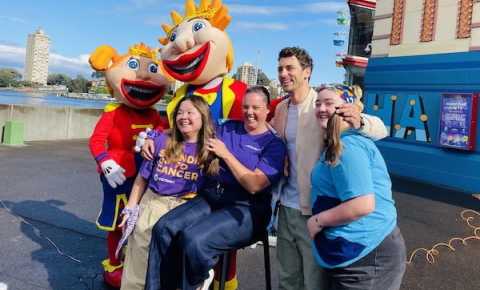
36,58
248,74
175,86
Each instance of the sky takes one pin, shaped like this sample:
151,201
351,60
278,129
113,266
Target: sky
259,29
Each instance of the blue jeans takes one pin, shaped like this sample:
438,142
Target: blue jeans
203,232
381,269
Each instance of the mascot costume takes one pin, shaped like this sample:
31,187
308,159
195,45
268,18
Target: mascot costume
198,52
134,80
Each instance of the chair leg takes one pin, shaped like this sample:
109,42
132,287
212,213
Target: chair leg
184,273
266,257
223,274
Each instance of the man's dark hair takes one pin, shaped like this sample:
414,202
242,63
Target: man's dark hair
301,54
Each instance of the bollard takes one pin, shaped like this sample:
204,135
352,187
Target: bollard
13,134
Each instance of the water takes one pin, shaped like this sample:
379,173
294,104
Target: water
50,100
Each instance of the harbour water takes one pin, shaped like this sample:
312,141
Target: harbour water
51,100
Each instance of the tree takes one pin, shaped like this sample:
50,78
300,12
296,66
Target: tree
9,77
262,79
58,79
78,85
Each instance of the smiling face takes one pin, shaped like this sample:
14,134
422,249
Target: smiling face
255,111
136,81
325,105
291,74
196,52
188,119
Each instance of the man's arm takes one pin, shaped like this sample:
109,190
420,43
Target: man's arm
373,127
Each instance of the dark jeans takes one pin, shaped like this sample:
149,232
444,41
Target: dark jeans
381,269
202,232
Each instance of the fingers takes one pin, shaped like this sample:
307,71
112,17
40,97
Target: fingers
124,220
110,181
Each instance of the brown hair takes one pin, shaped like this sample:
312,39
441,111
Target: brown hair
174,148
301,54
333,143
260,90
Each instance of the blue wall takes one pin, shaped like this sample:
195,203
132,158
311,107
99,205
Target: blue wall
416,84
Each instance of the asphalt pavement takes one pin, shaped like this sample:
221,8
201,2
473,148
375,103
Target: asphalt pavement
50,196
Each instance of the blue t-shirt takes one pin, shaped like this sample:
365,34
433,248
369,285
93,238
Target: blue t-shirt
360,171
172,179
264,151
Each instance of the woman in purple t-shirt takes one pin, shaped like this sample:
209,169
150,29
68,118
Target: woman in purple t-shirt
173,176
231,209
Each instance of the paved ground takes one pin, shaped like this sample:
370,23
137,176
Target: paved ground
49,194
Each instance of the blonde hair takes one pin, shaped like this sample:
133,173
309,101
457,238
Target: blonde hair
335,127
174,147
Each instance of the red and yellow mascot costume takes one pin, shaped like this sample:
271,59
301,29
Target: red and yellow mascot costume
134,79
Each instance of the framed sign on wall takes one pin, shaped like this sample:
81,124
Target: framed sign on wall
458,120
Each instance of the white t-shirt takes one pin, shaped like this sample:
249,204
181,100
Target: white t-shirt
290,196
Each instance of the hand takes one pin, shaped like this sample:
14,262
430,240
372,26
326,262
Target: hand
130,217
313,227
218,147
351,114
141,137
113,173
148,149
124,220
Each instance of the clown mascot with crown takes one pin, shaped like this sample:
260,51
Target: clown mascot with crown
198,52
134,80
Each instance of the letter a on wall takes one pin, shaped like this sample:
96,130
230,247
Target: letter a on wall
413,121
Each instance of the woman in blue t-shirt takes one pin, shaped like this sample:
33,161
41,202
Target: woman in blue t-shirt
233,207
354,222
172,177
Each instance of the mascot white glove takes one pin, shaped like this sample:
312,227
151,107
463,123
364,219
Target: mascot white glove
141,137
113,173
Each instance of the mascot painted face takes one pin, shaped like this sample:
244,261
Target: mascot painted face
198,52
133,78
197,49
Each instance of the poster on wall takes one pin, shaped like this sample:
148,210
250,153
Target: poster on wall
458,121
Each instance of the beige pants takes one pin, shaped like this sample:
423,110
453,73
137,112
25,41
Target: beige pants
152,207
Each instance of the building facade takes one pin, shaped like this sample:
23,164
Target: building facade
422,80
36,57
248,74
359,42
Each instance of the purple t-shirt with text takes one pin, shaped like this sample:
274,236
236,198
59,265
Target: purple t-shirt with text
264,151
173,179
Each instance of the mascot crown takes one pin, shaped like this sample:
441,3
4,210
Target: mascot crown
212,10
142,50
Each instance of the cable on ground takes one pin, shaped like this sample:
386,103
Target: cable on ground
468,216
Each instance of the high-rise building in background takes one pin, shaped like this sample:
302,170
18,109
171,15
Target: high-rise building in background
36,57
248,74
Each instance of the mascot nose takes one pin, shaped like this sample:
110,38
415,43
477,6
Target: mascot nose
185,42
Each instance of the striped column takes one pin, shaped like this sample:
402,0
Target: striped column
397,22
429,20
464,20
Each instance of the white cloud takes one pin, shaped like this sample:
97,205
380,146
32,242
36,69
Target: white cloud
321,7
317,7
261,25
14,56
260,10
13,19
